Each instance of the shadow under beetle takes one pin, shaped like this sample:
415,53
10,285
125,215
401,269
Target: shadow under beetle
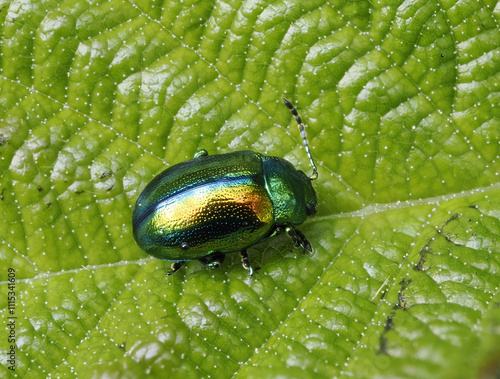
212,205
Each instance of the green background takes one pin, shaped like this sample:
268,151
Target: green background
402,105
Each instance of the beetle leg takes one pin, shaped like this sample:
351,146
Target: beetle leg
278,230
246,263
175,267
304,243
213,260
201,153
298,238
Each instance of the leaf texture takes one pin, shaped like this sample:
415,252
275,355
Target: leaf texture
402,106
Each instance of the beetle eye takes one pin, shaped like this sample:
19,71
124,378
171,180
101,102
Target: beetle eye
311,209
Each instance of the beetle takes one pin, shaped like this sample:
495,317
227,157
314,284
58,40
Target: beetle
212,205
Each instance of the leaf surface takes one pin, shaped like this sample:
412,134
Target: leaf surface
402,106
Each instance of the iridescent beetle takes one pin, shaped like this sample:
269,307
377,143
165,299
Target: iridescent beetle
212,205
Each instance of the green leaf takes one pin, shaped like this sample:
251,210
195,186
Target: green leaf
402,106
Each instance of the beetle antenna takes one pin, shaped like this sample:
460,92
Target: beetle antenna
302,130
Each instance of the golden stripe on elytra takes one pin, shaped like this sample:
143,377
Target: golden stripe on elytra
211,201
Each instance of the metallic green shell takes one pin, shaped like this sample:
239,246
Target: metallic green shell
219,203
207,204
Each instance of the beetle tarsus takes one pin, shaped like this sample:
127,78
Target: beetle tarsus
298,238
175,267
213,260
304,243
246,263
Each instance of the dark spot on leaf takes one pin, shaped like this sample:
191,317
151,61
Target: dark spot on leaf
105,174
423,257
382,349
39,188
389,324
383,341
405,283
402,304
427,250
